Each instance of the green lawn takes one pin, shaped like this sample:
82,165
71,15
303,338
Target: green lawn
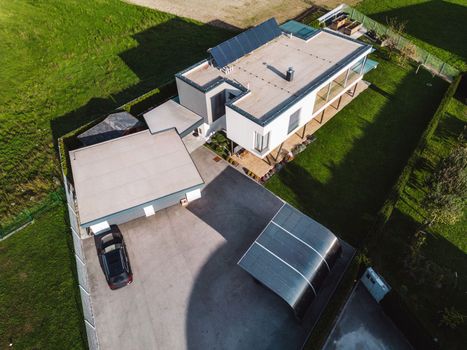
446,246
437,26
342,179
39,298
65,62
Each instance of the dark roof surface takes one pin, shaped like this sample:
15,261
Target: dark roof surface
115,125
292,256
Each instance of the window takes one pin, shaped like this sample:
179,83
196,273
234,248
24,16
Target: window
294,121
218,105
261,141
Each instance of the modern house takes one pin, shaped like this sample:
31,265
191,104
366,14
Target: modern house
266,83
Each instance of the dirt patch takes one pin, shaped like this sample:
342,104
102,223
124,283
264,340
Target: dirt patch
239,13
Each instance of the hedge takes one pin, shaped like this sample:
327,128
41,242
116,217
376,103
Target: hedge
395,193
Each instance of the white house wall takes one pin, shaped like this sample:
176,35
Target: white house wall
279,127
241,130
192,98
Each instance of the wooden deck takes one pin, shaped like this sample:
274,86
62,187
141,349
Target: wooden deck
261,167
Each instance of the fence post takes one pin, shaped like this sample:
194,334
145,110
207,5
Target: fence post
426,58
442,67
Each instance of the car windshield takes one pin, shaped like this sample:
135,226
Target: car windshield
114,262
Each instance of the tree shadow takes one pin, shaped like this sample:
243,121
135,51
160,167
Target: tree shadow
439,23
425,295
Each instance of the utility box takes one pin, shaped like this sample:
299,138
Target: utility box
375,284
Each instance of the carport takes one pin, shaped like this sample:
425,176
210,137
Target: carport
132,176
293,256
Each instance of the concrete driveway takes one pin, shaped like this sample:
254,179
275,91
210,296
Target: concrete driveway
188,292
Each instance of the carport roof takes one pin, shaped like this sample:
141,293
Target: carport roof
292,256
172,115
129,171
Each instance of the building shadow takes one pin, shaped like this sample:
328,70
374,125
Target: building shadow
439,23
347,202
162,51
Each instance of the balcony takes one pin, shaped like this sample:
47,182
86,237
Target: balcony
248,162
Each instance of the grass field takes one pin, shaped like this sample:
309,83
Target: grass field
343,178
64,62
437,26
445,250
39,298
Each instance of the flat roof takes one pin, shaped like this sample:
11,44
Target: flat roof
292,256
172,115
263,70
129,171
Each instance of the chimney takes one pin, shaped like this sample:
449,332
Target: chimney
290,74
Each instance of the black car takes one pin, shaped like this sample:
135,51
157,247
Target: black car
113,257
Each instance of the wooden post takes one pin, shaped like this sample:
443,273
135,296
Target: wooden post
279,151
304,130
339,102
322,116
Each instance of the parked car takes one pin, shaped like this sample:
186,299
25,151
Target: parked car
113,257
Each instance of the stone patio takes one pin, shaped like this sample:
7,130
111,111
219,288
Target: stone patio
260,167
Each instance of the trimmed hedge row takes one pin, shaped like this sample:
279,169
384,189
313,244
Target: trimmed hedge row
135,107
386,210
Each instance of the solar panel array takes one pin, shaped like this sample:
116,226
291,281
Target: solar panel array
242,44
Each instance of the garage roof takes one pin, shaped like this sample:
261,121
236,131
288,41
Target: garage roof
172,115
129,171
292,256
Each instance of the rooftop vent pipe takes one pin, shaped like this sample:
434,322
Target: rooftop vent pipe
290,74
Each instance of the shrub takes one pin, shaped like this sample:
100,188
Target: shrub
451,318
445,201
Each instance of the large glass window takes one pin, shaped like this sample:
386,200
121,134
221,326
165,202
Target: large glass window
261,141
294,121
218,105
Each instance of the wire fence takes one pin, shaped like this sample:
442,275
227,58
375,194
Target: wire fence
419,55
27,216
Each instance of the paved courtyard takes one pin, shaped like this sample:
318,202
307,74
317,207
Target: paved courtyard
188,292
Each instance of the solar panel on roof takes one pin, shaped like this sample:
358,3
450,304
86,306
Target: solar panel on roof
237,47
244,39
219,55
242,44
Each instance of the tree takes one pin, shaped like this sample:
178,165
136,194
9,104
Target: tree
445,202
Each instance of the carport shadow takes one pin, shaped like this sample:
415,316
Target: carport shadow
227,309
